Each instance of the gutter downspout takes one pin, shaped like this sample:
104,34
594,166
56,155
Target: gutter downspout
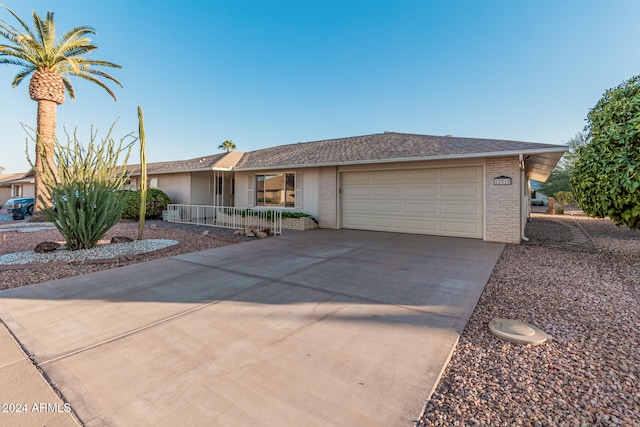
525,199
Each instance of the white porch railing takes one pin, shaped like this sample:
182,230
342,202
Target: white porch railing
226,217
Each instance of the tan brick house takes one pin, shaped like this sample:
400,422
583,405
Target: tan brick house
439,185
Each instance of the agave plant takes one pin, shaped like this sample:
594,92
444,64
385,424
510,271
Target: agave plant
85,191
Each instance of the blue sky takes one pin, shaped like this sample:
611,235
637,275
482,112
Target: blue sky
268,73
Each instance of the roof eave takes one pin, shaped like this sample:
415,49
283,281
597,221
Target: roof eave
167,171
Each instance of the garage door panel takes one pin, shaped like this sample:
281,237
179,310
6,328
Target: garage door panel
356,178
390,224
458,191
355,206
357,191
386,191
420,226
357,222
422,209
386,177
385,207
420,176
458,228
444,201
420,191
460,174
460,209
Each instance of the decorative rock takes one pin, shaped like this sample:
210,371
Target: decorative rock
238,232
247,230
44,247
204,233
268,231
121,239
261,234
250,234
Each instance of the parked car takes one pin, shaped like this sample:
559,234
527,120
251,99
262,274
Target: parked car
20,206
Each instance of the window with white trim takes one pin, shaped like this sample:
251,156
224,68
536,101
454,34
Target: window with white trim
16,190
278,190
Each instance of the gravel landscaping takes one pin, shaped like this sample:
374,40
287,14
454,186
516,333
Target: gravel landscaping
577,278
159,240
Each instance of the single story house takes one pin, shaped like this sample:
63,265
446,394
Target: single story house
16,185
438,185
538,198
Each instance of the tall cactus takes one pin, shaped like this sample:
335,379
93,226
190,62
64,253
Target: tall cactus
143,173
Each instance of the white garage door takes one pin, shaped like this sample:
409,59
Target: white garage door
445,201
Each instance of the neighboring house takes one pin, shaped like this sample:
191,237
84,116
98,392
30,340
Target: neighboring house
16,185
439,185
537,198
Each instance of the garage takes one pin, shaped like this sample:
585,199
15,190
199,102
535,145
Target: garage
439,201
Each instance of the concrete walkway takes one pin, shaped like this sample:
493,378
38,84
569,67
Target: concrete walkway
310,328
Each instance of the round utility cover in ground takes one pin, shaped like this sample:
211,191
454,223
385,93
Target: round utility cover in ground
517,332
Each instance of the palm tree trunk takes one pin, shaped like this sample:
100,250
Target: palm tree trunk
45,142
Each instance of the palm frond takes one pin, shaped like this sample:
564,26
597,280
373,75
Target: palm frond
104,75
13,61
88,76
69,87
86,62
71,51
21,76
76,33
24,26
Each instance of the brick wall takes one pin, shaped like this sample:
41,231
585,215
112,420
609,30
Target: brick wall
503,202
328,203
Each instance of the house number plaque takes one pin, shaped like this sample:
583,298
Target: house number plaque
502,180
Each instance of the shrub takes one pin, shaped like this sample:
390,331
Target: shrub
605,174
157,202
294,215
84,189
559,210
563,197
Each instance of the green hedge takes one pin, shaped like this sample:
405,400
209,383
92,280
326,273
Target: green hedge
157,202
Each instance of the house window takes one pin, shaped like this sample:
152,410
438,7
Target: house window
276,190
153,183
16,190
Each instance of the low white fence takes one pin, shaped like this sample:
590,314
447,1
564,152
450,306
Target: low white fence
226,217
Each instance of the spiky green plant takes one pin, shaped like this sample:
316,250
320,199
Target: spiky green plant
143,172
85,193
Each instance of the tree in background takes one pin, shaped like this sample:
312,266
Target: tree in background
227,145
560,178
51,61
606,171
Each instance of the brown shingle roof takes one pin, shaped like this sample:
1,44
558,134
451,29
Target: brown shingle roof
381,147
190,165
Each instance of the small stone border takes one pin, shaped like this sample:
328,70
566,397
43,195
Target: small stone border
100,261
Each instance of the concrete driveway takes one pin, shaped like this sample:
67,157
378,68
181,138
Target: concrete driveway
316,328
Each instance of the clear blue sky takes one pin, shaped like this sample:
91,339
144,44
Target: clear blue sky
265,73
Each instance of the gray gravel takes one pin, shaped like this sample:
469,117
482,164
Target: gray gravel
578,289
100,251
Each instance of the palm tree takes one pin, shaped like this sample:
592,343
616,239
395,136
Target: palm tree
51,62
227,145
